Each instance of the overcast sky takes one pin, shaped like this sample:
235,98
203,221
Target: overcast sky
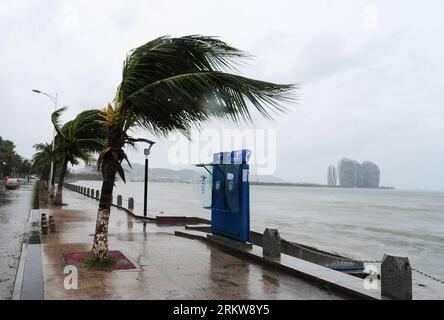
370,74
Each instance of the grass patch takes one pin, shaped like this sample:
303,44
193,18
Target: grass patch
106,264
36,196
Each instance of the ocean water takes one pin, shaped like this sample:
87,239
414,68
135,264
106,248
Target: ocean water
360,223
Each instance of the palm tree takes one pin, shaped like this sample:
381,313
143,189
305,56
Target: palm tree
77,139
41,160
174,85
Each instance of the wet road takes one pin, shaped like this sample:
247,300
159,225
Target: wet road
15,206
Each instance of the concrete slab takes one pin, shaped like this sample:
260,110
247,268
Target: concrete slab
229,242
32,283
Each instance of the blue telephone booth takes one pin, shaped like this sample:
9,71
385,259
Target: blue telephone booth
230,194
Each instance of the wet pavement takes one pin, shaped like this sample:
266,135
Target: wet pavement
167,267
15,206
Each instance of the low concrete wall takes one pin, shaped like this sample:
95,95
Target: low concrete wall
180,220
307,253
256,238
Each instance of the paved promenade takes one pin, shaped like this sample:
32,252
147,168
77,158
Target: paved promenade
168,267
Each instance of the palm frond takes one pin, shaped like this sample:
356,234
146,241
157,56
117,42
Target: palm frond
83,136
55,119
44,155
165,56
195,97
173,84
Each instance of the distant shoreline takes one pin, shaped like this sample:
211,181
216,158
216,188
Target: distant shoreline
253,183
290,184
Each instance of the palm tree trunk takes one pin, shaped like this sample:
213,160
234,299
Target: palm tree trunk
58,200
52,182
45,177
100,245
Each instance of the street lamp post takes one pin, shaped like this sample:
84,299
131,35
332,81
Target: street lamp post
145,196
53,99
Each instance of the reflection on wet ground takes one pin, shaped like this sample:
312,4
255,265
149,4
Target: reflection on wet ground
15,206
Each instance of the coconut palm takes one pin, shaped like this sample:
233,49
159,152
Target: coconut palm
41,160
76,140
174,85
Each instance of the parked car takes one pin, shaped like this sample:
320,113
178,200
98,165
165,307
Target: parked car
12,184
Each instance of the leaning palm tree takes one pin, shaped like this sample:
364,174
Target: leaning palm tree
41,160
174,85
76,140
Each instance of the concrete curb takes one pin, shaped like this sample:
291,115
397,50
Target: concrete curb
33,284
29,283
18,284
17,293
172,220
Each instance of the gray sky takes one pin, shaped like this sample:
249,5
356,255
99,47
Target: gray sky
370,73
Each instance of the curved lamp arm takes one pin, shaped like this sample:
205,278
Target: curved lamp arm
53,99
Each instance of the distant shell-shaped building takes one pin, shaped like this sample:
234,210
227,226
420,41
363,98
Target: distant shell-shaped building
360,179
353,174
348,172
332,176
370,174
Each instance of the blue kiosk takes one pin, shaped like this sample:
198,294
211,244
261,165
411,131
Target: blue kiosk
230,194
